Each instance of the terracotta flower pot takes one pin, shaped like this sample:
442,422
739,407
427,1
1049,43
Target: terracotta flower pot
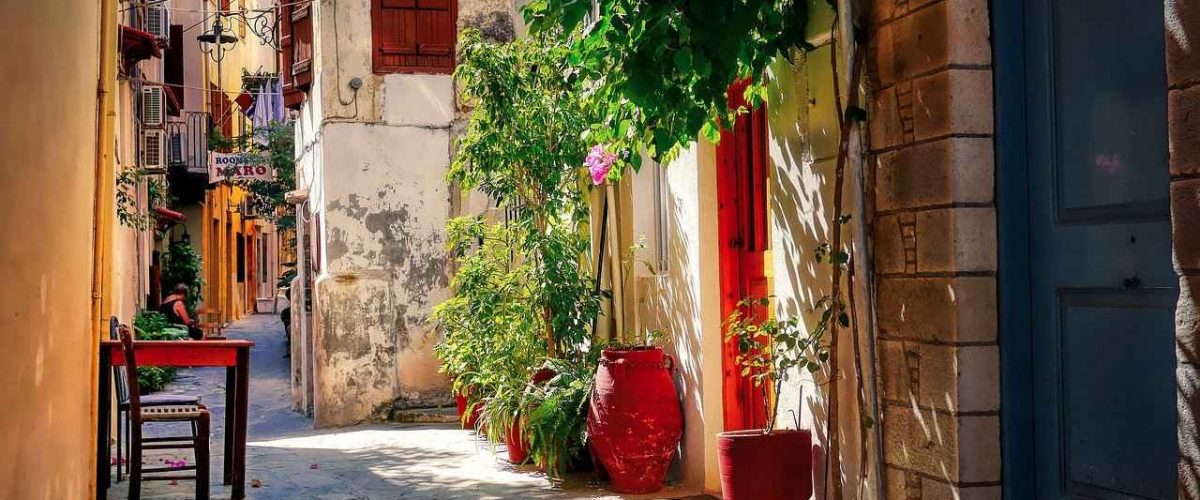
758,466
518,452
634,421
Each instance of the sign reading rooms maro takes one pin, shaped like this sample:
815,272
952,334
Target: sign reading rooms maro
237,166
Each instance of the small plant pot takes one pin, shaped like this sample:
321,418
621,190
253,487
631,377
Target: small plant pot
460,401
634,421
759,466
518,452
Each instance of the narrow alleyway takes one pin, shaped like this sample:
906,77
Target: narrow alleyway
287,459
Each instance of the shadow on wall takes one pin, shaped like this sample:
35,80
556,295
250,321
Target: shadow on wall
1187,379
670,302
803,150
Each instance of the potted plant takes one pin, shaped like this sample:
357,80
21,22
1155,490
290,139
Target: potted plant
634,420
769,463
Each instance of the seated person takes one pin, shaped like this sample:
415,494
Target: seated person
174,307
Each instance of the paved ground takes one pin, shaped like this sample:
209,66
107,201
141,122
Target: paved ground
287,459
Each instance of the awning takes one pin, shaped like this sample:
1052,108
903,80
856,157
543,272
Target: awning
166,216
138,45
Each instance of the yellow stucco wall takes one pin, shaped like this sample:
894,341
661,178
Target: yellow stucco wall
45,254
219,253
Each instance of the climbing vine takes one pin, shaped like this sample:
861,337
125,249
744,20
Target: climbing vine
129,212
656,72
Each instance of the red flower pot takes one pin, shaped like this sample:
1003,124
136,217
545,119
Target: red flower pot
518,453
634,421
758,466
460,401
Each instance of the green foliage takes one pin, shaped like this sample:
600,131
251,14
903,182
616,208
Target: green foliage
657,71
181,264
152,325
129,210
768,349
523,293
267,196
522,148
490,334
556,414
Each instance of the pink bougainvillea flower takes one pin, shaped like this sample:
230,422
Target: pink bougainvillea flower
599,162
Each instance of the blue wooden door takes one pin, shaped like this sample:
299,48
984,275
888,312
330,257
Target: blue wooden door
1101,287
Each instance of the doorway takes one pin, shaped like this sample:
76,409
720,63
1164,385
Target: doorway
1087,289
744,240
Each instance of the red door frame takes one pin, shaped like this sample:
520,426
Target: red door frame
743,241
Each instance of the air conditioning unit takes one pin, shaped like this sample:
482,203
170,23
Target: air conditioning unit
152,106
154,149
157,23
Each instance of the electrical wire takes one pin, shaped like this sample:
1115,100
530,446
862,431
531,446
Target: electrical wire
159,3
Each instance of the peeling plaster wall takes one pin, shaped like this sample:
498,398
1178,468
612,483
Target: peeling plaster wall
374,160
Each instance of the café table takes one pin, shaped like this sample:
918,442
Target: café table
234,355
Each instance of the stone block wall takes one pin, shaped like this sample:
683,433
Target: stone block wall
933,167
1182,22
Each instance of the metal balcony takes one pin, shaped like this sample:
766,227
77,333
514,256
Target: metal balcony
187,144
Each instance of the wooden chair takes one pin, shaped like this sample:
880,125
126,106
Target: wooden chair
209,320
139,416
123,423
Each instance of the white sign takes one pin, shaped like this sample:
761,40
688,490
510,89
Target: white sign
237,166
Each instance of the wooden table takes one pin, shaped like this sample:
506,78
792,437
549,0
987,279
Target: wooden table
234,355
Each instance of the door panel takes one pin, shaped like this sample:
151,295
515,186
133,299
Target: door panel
742,229
1102,288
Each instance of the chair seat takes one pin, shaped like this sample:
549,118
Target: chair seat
164,400
173,413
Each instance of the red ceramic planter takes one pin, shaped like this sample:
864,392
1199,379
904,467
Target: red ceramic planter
518,453
758,466
460,401
634,421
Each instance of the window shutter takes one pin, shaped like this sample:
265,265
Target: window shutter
413,36
295,52
302,45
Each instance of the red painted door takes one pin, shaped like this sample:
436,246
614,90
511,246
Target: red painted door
744,240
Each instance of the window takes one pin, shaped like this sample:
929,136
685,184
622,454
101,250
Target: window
295,51
241,258
413,36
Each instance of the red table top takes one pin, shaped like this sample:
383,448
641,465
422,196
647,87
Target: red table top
180,352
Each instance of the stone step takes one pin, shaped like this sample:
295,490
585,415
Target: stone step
436,415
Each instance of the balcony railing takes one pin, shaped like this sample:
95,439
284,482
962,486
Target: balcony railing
187,143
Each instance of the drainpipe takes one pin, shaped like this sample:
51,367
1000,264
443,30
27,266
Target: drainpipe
102,201
103,191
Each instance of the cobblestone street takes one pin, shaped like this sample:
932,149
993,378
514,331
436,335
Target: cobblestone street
287,459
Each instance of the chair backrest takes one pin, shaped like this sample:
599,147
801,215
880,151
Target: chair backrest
118,373
135,403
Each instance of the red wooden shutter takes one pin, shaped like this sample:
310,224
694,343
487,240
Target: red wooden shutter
302,45
295,52
413,36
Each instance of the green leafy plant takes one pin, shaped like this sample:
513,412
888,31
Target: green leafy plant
129,210
556,414
768,349
657,72
181,264
266,197
523,293
152,325
490,334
